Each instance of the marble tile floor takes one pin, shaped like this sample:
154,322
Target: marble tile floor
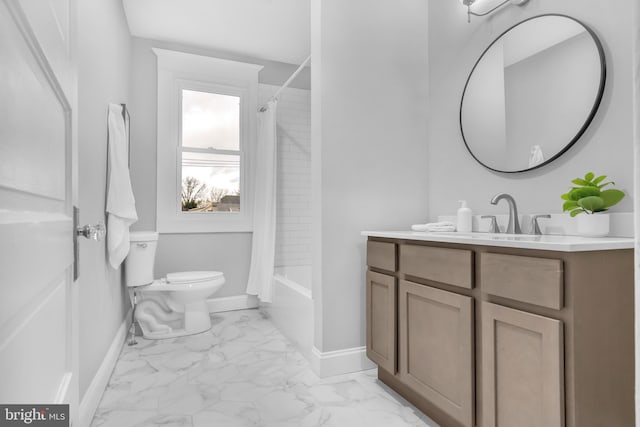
241,373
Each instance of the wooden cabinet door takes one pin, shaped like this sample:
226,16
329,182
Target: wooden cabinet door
381,320
436,347
522,369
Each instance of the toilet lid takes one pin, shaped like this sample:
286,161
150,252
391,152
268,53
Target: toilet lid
192,276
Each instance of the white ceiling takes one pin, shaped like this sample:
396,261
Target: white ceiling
275,30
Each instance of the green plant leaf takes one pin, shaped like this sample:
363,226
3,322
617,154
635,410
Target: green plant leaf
591,203
611,197
580,181
587,195
582,192
569,205
599,179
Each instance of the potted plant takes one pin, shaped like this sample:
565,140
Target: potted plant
589,197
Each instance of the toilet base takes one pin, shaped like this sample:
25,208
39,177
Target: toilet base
173,333
158,321
194,323
196,317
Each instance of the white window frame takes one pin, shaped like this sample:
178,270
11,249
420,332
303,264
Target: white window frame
178,71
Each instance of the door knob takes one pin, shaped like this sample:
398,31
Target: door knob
92,232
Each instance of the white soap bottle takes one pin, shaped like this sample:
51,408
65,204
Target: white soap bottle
464,218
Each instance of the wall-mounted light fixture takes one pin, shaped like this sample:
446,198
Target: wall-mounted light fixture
470,3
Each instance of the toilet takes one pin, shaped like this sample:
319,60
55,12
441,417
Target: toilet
173,306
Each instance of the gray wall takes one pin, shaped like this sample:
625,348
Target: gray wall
606,147
369,151
226,252
104,50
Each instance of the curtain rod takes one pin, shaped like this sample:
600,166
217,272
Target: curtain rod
286,84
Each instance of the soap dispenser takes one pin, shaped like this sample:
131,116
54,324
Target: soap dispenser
464,218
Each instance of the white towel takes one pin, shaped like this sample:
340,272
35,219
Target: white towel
121,205
435,226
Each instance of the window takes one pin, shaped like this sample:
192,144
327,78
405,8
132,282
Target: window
206,133
210,152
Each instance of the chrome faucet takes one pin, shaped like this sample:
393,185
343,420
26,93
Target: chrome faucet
514,226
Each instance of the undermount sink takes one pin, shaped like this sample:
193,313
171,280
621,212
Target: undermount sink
516,237
493,236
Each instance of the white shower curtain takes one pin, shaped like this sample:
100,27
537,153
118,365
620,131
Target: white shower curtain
264,213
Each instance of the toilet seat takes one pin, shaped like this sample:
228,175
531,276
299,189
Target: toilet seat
192,276
186,280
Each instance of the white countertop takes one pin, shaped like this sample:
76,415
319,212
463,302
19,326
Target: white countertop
523,241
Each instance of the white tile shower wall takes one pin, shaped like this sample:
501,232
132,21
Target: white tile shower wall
293,229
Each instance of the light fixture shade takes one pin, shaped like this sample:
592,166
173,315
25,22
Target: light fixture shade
469,3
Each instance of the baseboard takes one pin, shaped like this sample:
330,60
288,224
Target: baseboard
330,363
240,302
92,396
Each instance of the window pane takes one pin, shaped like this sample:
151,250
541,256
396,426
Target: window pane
210,182
210,120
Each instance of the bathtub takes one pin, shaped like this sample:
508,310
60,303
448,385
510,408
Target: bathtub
291,309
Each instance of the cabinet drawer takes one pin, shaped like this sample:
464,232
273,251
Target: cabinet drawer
381,255
536,281
450,266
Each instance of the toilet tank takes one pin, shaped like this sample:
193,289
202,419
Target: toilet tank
138,266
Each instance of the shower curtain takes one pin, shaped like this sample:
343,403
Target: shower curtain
264,207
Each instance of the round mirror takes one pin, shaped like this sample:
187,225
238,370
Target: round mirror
532,93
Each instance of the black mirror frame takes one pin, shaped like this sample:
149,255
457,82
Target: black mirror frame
591,115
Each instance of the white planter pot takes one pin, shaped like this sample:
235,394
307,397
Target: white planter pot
596,225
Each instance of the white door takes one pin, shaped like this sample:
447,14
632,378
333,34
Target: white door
38,295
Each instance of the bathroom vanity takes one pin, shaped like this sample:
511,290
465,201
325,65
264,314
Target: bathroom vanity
489,330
